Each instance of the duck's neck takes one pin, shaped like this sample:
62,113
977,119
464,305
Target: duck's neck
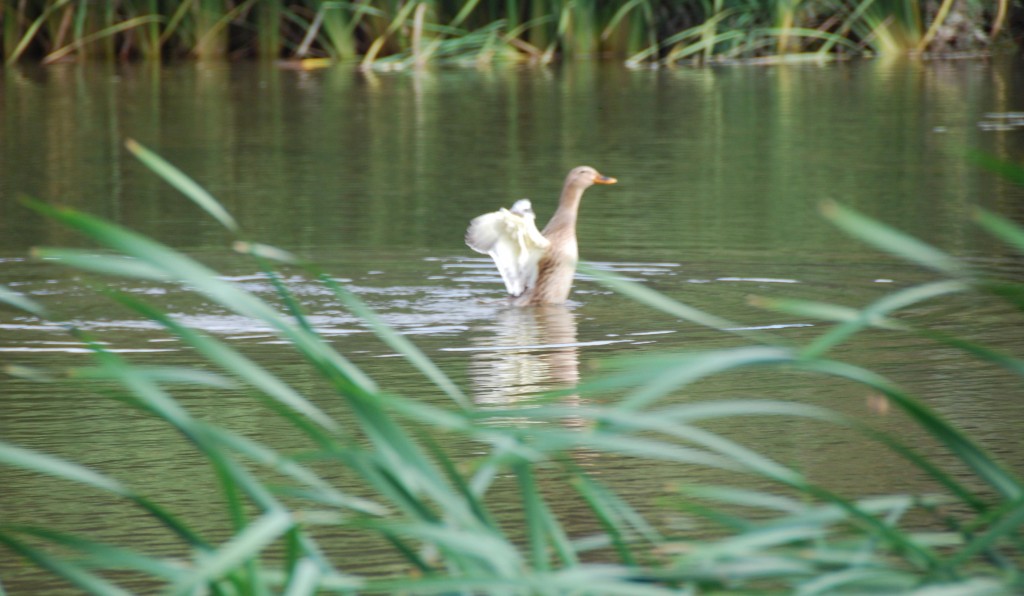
563,222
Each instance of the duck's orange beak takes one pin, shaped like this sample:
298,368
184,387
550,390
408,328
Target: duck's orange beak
599,179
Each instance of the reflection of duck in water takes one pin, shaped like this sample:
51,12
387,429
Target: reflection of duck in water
537,267
525,352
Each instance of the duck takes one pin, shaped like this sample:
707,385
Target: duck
536,266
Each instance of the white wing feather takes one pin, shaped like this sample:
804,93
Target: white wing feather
513,241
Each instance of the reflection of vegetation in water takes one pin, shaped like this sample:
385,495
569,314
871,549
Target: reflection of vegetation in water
435,512
402,33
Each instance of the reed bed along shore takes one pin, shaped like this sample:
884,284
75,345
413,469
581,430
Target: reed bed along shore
398,33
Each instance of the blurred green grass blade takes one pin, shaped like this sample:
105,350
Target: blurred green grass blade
401,461
59,468
806,308
398,342
59,566
754,541
533,507
266,251
604,580
384,331
979,351
458,480
876,314
608,519
428,414
327,581
147,393
242,547
1008,170
232,361
962,492
1007,525
160,374
975,586
154,399
96,554
743,457
183,183
289,467
668,306
560,542
546,533
754,499
865,580
891,240
208,283
499,556
640,447
304,579
237,482
29,373
171,521
670,374
1011,292
727,408
106,264
20,301
1005,229
421,486
976,458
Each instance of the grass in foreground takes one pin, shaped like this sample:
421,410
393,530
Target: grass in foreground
435,512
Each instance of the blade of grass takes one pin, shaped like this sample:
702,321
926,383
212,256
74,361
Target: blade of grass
876,314
668,306
108,265
1001,227
385,332
30,33
160,374
288,467
232,361
21,302
672,373
607,517
533,507
59,468
183,183
982,463
102,34
74,574
208,283
95,554
303,580
1006,525
397,342
242,547
891,240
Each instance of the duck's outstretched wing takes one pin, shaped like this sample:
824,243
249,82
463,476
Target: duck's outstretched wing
513,241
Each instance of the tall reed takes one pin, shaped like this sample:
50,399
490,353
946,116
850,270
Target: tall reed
435,510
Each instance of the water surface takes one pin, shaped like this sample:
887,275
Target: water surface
376,176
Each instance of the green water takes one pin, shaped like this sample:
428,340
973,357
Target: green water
376,176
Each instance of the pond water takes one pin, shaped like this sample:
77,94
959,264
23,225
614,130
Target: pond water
375,176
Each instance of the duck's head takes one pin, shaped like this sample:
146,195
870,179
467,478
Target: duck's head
586,176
